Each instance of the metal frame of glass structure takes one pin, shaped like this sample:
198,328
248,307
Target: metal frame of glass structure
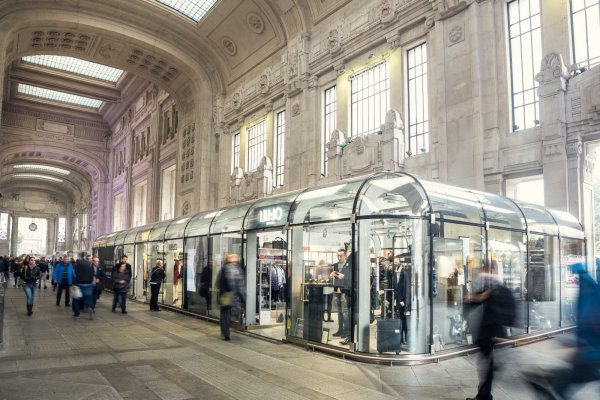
369,99
193,9
257,145
329,122
443,236
76,66
36,92
279,148
418,106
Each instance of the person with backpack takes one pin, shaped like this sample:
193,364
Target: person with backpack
63,275
30,273
499,310
585,364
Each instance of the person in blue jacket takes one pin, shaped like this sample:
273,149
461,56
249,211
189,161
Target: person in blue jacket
63,276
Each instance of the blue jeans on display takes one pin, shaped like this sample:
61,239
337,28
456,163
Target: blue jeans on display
30,289
87,291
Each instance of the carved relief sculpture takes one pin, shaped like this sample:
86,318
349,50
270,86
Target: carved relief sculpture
333,42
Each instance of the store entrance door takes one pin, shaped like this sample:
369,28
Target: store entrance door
269,260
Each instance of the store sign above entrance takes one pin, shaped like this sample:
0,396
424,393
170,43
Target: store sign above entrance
275,215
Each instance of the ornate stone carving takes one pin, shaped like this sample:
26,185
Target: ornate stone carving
430,22
448,8
264,83
386,12
229,46
456,34
185,209
107,51
574,148
552,67
255,23
236,100
334,44
295,109
339,68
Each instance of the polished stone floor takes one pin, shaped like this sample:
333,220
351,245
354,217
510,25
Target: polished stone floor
164,355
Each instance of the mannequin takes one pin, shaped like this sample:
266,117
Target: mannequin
176,277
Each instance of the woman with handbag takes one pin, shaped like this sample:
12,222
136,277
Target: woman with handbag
121,280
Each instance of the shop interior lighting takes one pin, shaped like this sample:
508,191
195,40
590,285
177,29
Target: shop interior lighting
193,9
41,167
68,98
76,66
37,176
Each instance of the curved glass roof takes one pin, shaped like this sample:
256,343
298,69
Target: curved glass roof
176,228
329,203
199,225
120,238
384,194
131,235
392,195
538,218
230,219
568,225
158,231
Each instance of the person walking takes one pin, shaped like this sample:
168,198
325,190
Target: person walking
157,276
100,276
232,291
63,276
15,268
121,281
30,273
44,269
498,311
85,280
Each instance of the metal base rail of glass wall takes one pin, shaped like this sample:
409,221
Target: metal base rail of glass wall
413,251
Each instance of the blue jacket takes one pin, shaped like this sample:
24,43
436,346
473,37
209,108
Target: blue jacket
58,272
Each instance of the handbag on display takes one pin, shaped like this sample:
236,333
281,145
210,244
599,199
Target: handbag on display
279,243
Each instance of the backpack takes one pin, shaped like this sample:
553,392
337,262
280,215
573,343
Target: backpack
502,305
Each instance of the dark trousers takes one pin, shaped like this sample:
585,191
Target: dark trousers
328,304
343,311
122,298
59,291
154,291
225,321
486,369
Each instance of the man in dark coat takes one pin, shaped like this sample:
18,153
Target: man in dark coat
232,291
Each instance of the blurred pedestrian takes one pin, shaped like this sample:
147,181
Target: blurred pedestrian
585,365
121,281
30,273
85,279
498,310
100,276
232,291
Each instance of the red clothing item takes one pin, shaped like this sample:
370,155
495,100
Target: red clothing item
176,272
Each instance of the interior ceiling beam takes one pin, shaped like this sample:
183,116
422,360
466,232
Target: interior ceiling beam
81,87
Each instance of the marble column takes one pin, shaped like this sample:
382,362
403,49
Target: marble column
14,230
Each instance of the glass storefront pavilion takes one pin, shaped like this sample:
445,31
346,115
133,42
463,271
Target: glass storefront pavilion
327,265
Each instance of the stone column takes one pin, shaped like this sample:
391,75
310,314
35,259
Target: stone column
14,231
555,24
558,191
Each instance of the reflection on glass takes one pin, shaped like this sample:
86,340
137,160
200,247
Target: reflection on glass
571,253
542,282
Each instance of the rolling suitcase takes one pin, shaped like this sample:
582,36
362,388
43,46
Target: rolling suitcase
389,333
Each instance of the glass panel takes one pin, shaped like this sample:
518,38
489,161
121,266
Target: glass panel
158,231
144,234
391,284
77,66
120,238
571,253
451,203
369,100
321,279
506,260
230,220
392,194
176,228
200,224
3,226
567,224
142,270
193,9
221,246
280,148
458,252
131,235
156,252
543,291
500,211
41,167
257,145
199,275
418,110
329,123
174,271
538,218
62,97
327,203
272,211
110,238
